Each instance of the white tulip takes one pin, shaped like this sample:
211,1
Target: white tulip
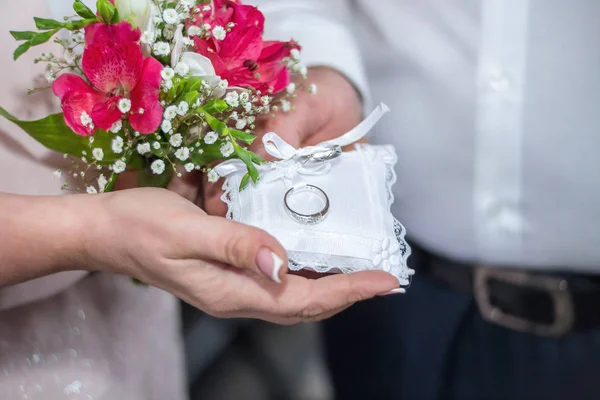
135,11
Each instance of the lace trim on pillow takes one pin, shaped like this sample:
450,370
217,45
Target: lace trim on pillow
230,197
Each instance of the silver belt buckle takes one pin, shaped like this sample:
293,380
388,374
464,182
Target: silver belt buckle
564,314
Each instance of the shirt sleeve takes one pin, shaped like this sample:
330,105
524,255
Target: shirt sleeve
322,28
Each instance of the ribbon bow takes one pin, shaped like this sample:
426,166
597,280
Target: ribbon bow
310,160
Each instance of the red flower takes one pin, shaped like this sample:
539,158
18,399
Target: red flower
114,65
242,58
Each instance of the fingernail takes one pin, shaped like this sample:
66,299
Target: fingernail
270,264
394,291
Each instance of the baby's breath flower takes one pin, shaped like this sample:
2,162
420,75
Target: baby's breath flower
171,16
189,167
86,120
286,106
265,100
176,140
148,37
91,190
227,149
170,113
187,41
119,166
291,88
182,69
183,108
211,137
312,88
58,173
240,124
116,127
102,181
78,37
143,148
156,145
168,33
98,153
161,49
212,176
124,105
219,32
223,84
232,98
295,54
206,8
167,73
157,167
166,126
117,145
194,31
183,153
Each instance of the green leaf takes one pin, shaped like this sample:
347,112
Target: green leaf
43,37
53,133
215,106
136,161
243,136
21,50
257,159
23,35
244,155
191,97
80,23
210,153
111,183
44,23
215,124
106,10
147,179
245,181
82,10
115,19
193,84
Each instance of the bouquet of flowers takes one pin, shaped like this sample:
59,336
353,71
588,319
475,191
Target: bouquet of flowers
159,86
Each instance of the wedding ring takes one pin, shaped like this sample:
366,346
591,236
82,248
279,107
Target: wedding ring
307,204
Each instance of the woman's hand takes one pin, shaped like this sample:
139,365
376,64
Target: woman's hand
222,267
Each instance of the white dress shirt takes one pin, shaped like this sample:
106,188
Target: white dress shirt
495,116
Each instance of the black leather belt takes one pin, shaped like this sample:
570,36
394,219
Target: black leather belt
545,304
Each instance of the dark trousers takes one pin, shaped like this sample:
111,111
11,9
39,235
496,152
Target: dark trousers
432,343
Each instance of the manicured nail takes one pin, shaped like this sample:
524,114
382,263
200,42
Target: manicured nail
270,264
394,291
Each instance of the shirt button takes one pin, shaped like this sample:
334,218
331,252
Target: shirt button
499,81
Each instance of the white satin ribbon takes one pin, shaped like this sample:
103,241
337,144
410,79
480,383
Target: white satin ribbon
290,167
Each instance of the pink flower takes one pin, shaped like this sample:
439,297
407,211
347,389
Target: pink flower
242,58
116,69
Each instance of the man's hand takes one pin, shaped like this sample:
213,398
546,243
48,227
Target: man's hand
331,112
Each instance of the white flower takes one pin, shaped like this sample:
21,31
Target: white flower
167,85
233,99
227,149
78,37
211,137
124,105
143,148
171,16
387,254
244,97
170,113
303,71
161,49
168,33
223,84
182,69
240,124
136,11
102,181
117,145
291,88
212,176
50,75
295,54
286,105
148,37
98,153
116,127
183,108
206,8
58,173
187,41
176,140
189,167
156,145
166,126
312,88
157,167
248,107
219,32
183,153
167,73
265,100
194,31
187,3
91,190
86,120
119,166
